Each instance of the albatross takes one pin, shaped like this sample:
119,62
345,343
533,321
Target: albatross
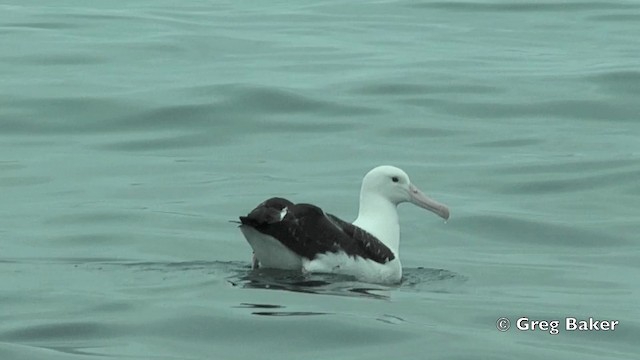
303,237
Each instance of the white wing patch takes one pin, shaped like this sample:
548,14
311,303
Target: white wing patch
283,213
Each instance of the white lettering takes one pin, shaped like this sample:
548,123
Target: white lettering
523,323
613,324
591,324
570,324
542,325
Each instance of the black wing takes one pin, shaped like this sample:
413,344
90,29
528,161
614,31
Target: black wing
308,231
362,243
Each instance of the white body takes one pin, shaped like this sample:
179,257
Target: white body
363,269
272,254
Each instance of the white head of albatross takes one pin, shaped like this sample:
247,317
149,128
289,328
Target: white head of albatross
383,188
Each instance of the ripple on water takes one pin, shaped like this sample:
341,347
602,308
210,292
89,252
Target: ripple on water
618,82
536,232
270,310
414,279
563,177
406,89
60,331
526,7
274,100
596,109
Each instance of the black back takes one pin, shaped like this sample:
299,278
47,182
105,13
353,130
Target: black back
308,231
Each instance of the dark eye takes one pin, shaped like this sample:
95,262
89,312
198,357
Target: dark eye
394,179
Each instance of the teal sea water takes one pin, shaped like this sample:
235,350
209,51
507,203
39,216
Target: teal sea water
131,132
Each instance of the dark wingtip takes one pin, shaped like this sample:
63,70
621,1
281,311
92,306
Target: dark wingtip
278,203
268,212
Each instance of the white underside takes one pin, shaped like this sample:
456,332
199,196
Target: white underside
363,269
272,254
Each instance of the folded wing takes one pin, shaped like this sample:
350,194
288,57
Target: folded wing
306,230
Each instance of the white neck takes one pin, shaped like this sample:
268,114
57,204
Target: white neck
379,217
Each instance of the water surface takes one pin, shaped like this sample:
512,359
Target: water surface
131,132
